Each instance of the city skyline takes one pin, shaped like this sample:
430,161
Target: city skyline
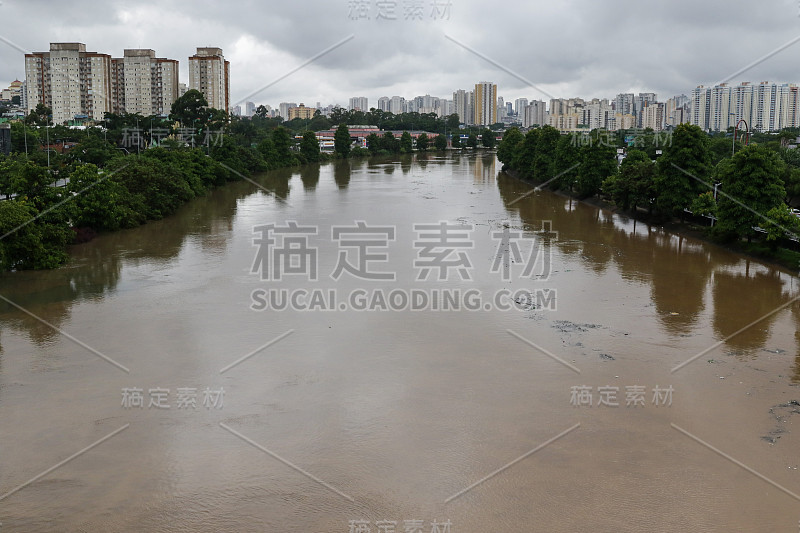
432,54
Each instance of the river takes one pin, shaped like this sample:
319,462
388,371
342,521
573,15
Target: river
559,367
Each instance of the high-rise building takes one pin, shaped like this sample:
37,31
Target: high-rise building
596,114
249,109
283,109
653,116
143,83
358,103
623,104
383,103
534,114
519,106
397,105
463,106
485,103
640,102
74,83
209,73
764,107
676,110
500,114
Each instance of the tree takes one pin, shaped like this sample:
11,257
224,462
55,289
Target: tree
406,143
752,187
282,142
456,140
100,202
487,138
704,205
526,152
30,243
684,170
309,146
40,116
543,164
453,121
341,140
390,143
373,143
190,107
509,146
472,141
93,150
440,142
632,185
422,142
598,162
780,220
565,161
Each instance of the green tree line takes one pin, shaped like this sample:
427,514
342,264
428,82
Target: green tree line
754,187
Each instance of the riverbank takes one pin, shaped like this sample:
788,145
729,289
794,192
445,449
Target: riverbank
783,258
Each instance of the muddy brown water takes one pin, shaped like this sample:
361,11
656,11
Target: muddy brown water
362,416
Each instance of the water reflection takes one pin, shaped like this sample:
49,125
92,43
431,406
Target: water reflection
309,175
341,173
678,269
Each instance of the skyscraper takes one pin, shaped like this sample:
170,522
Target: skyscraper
485,103
534,114
463,106
519,106
359,103
209,73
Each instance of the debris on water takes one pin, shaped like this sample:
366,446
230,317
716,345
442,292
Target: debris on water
775,351
565,326
606,357
674,313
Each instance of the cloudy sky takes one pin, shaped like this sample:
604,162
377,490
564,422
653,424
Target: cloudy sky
530,48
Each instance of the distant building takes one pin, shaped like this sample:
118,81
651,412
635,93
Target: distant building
653,116
209,73
383,103
519,106
249,109
70,80
301,112
283,109
358,103
534,114
463,106
766,106
397,105
13,91
485,105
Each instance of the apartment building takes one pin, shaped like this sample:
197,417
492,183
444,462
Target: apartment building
209,73
74,83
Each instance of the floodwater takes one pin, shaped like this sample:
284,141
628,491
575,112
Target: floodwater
480,418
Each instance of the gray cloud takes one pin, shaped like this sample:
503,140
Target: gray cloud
569,48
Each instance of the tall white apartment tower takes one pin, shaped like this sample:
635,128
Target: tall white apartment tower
209,73
74,83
